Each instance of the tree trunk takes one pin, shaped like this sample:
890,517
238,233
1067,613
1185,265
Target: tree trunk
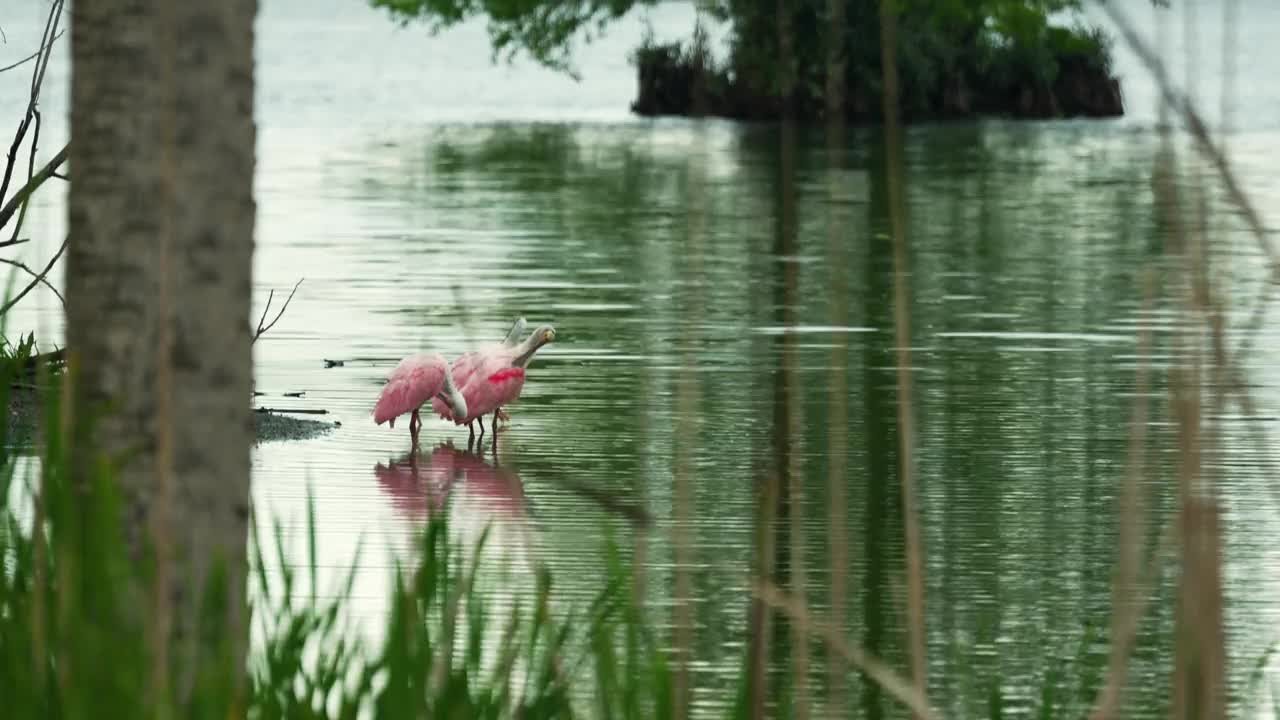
158,291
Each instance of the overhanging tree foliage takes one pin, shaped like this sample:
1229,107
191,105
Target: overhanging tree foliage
956,57
544,30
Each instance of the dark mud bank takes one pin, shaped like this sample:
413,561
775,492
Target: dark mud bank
273,427
268,427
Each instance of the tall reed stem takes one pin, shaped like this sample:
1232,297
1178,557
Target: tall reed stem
902,339
838,365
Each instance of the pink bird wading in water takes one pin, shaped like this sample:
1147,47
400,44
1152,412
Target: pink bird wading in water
494,377
415,381
466,362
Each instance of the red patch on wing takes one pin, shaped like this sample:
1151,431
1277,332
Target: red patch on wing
507,374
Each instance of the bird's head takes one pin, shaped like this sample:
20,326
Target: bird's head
541,336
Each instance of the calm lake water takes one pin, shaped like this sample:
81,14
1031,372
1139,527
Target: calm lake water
428,198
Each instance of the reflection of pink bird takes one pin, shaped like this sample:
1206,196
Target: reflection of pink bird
416,380
416,489
420,486
494,377
493,488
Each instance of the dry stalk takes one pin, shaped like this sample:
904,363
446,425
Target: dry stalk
1143,592
1126,608
1183,106
795,518
1229,374
759,621
1198,680
874,668
1266,293
902,339
788,431
1203,596
837,380
686,432
1199,683
1230,11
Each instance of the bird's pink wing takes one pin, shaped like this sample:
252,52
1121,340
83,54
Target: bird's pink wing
471,366
507,384
493,384
464,366
414,381
441,408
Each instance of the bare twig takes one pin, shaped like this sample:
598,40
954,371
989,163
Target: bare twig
263,329
873,667
19,198
30,57
37,80
38,279
270,296
46,44
31,170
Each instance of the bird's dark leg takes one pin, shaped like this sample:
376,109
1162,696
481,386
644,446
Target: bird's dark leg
494,425
471,435
480,420
414,423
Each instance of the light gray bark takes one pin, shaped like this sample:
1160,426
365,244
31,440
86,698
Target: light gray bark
158,288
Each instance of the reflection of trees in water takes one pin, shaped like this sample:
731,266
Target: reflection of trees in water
1010,231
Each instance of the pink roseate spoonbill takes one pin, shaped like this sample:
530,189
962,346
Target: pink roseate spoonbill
499,379
417,380
466,363
496,379
512,338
